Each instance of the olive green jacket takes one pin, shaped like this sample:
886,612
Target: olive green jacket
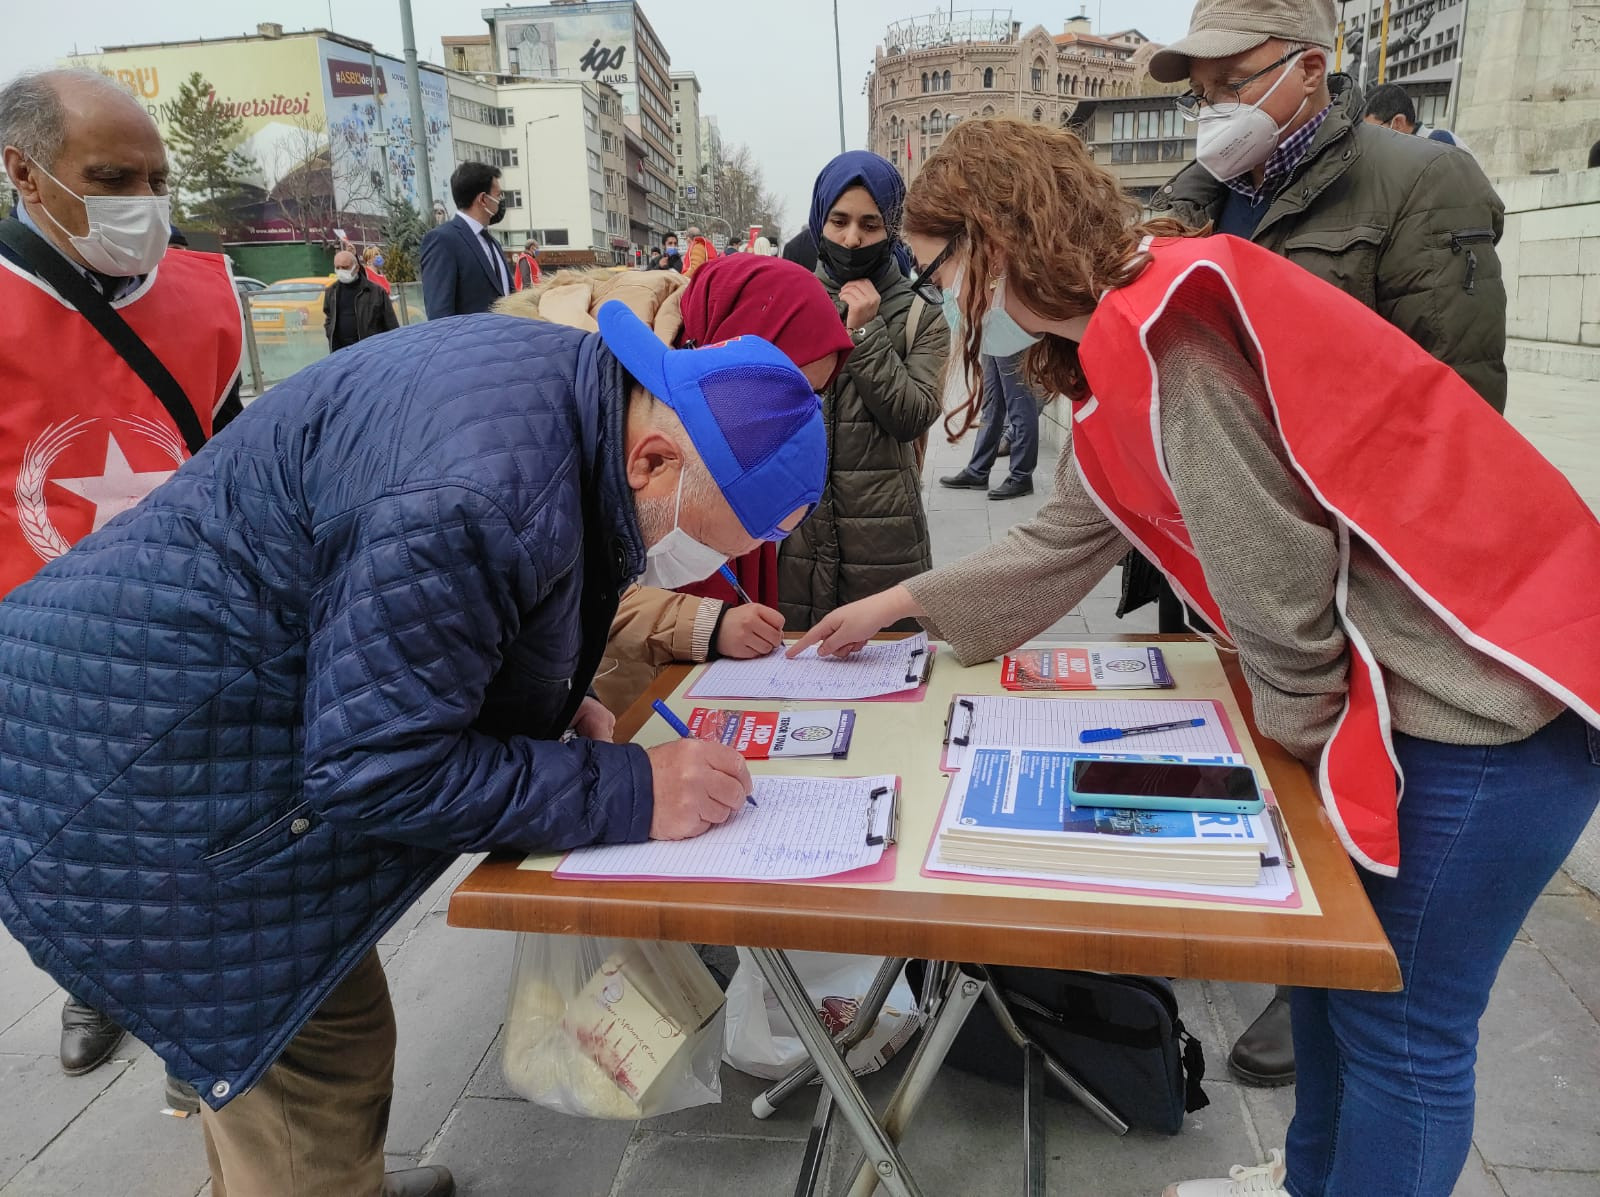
869,531
1406,225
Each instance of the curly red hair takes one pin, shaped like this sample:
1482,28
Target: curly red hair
1031,198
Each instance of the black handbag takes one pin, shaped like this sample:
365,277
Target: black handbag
1120,1035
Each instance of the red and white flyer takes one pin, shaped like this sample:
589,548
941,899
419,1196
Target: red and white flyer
1132,668
769,735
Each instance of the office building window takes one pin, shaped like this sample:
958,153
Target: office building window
513,198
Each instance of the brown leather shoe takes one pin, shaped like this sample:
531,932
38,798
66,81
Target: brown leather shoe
1264,1054
88,1038
429,1181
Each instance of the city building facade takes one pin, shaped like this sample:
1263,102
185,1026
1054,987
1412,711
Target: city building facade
326,134
470,55
1142,138
686,134
549,138
1424,54
644,232
601,41
711,179
932,72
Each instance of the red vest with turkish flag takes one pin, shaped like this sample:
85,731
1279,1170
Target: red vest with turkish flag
82,438
1397,449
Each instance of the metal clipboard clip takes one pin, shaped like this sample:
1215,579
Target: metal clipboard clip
893,834
965,738
917,674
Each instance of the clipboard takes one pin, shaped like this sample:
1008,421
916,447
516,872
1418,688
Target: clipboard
1048,718
890,835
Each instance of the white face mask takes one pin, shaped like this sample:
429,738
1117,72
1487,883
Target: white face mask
345,276
127,233
678,559
1241,140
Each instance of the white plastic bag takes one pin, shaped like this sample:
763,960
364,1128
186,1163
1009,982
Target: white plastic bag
760,1039
612,1028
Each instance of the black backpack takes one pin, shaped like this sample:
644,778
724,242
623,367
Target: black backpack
1120,1035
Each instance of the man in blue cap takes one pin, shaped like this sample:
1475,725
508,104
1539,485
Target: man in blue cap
250,721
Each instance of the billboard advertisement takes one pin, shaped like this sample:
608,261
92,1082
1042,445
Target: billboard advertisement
369,129
309,132
596,45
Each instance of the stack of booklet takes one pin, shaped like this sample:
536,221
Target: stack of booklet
1009,809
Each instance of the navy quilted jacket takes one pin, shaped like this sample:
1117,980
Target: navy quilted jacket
246,723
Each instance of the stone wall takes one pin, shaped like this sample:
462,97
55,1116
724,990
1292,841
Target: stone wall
1551,258
1530,84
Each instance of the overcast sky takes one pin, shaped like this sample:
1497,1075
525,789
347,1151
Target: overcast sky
769,79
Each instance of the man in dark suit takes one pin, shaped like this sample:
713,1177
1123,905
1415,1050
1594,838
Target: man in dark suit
464,268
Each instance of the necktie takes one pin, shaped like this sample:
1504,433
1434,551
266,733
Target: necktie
108,284
497,259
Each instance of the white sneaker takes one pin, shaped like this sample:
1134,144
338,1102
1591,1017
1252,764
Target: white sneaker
1264,1180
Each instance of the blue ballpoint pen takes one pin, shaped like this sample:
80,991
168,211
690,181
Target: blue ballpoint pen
682,729
734,582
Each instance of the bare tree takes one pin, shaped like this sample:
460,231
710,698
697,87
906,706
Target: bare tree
742,194
358,188
304,190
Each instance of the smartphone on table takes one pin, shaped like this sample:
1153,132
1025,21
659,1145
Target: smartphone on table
1166,785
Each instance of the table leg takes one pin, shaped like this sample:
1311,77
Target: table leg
884,1159
866,1017
1067,1080
958,994
1034,1168
811,1166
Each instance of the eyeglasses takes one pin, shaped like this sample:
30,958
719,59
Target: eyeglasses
924,278
1193,105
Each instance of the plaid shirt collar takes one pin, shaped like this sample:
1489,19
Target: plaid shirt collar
1283,161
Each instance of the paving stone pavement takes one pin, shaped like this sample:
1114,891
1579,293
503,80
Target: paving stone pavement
1539,1061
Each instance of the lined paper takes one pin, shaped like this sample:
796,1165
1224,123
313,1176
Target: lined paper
876,670
803,827
1052,722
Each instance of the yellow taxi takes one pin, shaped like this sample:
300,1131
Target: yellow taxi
288,307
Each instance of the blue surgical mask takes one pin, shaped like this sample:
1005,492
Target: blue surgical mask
1002,335
951,303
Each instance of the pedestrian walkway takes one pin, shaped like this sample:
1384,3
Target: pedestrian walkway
1539,1062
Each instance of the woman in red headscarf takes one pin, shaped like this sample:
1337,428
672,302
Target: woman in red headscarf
732,296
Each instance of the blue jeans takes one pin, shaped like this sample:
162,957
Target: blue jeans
1384,1097
1008,406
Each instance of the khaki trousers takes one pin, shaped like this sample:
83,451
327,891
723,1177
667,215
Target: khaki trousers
314,1124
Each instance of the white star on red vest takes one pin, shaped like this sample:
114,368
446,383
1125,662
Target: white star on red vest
118,488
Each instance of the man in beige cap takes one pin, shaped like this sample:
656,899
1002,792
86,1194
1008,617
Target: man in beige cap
1406,226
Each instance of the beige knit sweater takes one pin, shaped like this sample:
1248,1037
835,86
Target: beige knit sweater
1270,555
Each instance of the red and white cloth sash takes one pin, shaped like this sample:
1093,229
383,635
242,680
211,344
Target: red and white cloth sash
1400,452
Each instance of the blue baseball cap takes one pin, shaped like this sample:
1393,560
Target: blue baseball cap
751,415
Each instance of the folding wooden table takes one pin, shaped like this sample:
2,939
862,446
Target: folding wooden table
1332,941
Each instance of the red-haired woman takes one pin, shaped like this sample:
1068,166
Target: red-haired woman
1410,586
